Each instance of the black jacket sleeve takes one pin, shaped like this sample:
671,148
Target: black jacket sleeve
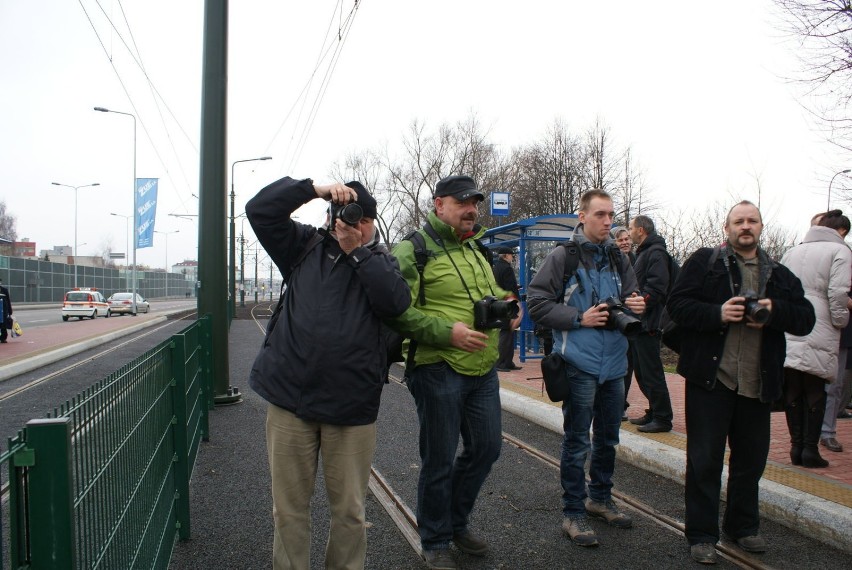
269,213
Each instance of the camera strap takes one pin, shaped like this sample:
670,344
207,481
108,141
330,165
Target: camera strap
427,227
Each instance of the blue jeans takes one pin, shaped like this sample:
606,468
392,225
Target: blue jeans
449,404
589,404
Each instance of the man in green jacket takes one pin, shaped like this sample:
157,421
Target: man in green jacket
454,382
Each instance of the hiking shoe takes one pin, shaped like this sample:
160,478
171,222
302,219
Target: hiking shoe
439,559
577,528
754,543
469,543
608,512
704,553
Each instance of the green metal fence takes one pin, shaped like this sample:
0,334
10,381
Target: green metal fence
103,481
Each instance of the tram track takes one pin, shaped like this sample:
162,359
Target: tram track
406,522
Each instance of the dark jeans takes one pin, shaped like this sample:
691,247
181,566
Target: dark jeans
505,349
449,404
600,406
651,377
712,417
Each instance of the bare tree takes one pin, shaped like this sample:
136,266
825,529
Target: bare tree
823,29
7,223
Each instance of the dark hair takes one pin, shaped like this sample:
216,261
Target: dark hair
645,223
835,220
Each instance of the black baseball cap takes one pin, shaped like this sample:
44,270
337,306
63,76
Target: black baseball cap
459,187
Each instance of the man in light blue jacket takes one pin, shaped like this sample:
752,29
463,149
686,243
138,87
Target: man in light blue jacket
595,349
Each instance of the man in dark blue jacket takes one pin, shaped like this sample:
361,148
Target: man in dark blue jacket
322,363
733,363
504,275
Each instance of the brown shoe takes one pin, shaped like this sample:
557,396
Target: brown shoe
608,512
577,528
831,444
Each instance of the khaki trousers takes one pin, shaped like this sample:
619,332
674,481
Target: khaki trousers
294,447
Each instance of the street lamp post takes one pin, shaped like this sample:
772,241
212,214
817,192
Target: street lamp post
133,195
167,256
75,220
126,242
828,204
232,261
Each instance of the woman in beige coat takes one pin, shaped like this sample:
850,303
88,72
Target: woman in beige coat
823,262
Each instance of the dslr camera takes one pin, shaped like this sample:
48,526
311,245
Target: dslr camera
493,313
619,320
757,312
349,214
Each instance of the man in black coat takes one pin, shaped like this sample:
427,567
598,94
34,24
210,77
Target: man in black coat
733,366
504,275
322,363
653,275
5,312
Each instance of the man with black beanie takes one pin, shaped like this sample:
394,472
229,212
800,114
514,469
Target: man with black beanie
322,364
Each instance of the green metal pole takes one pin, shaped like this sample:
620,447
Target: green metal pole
212,190
50,494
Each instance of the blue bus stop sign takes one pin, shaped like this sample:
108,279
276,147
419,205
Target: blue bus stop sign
499,203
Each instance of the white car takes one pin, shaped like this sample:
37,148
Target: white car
83,302
122,303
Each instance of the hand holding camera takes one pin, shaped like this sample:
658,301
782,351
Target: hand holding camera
748,306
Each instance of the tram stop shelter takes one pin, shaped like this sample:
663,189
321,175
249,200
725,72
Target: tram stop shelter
533,238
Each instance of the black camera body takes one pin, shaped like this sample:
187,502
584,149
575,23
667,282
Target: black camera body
492,313
757,312
349,214
619,320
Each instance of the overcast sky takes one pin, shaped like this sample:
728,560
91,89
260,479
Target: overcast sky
697,90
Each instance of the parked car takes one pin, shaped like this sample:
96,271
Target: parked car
122,303
84,302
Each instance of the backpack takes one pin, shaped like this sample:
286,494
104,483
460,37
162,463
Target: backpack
395,339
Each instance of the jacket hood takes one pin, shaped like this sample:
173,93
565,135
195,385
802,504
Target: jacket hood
653,240
822,233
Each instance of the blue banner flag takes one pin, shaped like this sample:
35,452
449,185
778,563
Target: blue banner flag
146,211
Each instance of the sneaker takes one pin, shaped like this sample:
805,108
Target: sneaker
469,543
439,559
654,426
754,543
577,528
704,553
608,512
646,419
